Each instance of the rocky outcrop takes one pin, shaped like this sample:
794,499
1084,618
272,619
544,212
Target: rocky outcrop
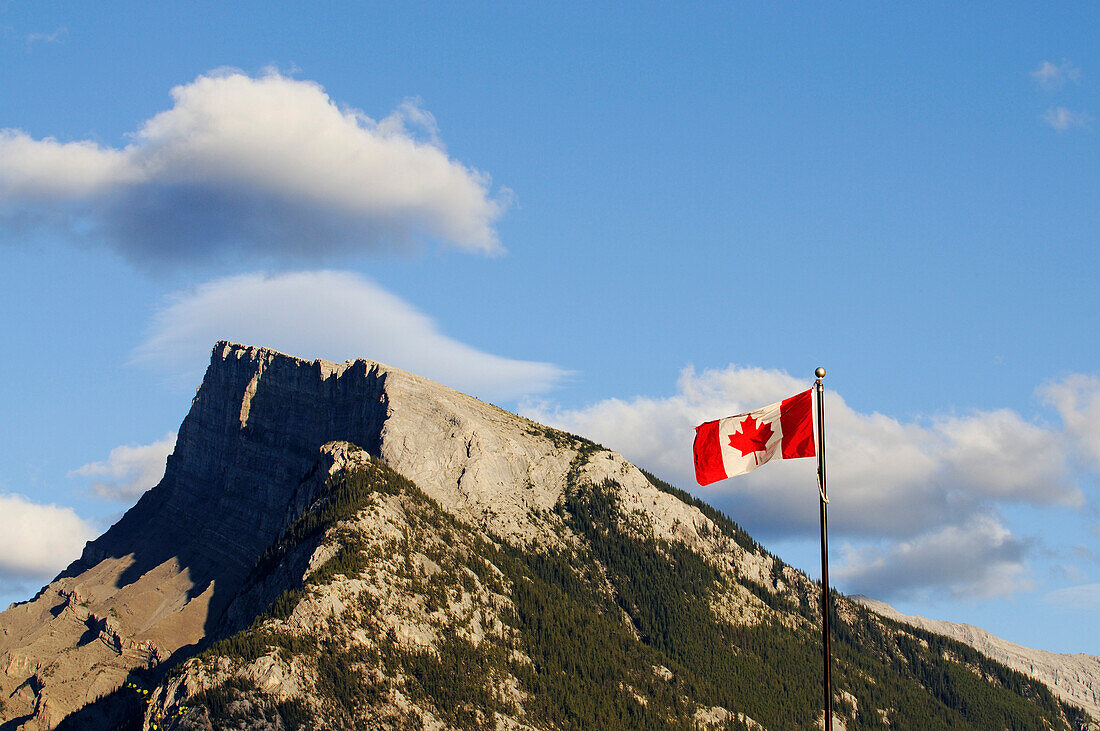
1073,677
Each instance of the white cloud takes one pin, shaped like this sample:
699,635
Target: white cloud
38,169
1052,76
978,559
37,541
1077,400
888,477
1063,119
130,469
898,489
332,315
266,167
1000,456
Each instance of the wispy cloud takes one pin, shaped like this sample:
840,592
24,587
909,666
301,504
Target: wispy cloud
1051,76
1063,119
333,315
129,470
58,36
244,168
900,487
1082,597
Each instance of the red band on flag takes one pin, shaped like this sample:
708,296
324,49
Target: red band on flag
796,418
708,454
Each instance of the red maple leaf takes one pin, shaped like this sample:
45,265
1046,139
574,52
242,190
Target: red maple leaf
751,438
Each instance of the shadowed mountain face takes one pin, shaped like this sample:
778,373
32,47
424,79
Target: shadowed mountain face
353,546
242,456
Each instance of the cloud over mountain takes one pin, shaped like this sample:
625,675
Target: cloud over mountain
332,315
129,470
978,558
242,168
1082,596
900,489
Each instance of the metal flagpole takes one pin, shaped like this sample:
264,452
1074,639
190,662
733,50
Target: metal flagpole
825,650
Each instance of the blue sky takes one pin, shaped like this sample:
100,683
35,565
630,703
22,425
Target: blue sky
621,221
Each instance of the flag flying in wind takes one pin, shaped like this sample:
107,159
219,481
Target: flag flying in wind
739,444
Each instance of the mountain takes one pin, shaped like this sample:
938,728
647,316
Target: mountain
1073,677
353,546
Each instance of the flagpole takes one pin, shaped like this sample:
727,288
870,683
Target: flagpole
825,649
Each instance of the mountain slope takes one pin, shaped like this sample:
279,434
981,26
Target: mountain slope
408,617
353,546
1073,677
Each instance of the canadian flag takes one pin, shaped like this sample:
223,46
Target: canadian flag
739,444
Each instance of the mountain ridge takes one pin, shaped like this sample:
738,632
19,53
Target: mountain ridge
323,522
1075,677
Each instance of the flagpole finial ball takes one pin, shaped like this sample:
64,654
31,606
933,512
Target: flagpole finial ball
820,372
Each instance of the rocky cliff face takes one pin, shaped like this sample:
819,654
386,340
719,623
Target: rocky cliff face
353,546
